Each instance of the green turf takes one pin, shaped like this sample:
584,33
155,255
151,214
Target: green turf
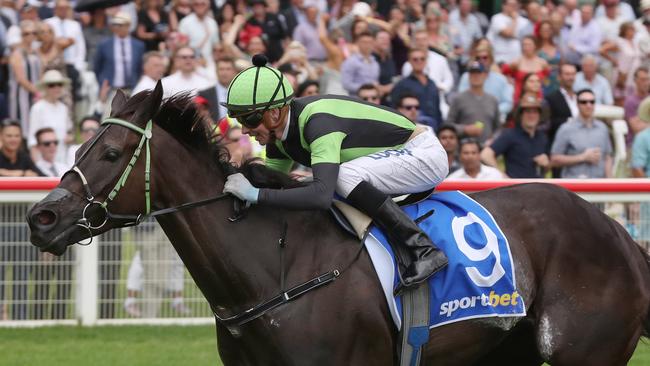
131,345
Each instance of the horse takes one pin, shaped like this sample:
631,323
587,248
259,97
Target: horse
585,282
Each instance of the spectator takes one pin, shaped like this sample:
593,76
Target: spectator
202,31
449,141
437,67
383,55
623,8
610,22
46,143
51,54
295,59
589,78
633,100
246,46
153,24
419,84
118,60
640,165
585,36
27,12
465,29
306,33
269,25
528,63
360,68
179,10
226,71
155,269
88,128
24,73
401,36
582,147
475,113
562,103
51,112
153,69
69,30
94,33
369,93
186,78
438,38
307,89
495,84
626,59
470,161
330,79
506,28
524,147
294,15
14,161
547,50
409,106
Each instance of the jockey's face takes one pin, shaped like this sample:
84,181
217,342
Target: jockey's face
271,128
260,133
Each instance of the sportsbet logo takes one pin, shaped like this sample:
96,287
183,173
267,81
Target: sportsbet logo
494,300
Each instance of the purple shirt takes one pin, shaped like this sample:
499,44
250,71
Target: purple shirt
631,105
356,71
307,34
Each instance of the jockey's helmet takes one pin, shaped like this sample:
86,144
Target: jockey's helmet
256,90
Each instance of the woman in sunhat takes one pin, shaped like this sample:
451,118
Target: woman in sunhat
49,111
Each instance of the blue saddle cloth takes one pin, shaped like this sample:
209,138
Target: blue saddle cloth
479,280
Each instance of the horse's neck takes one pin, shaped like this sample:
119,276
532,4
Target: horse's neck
236,264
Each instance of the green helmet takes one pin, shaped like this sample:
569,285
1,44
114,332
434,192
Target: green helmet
259,87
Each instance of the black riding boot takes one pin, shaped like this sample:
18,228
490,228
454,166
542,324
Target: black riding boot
413,247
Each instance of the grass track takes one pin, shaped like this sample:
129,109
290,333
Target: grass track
131,345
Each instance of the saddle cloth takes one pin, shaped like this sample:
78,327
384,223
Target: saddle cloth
479,281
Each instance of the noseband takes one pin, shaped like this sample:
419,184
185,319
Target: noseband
125,220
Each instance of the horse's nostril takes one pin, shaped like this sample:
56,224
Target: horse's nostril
46,217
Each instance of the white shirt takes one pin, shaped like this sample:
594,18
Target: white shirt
45,114
572,102
203,35
76,53
176,83
50,168
486,173
72,151
222,96
145,83
610,27
437,69
119,56
506,49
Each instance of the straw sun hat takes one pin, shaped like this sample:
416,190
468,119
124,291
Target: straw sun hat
52,77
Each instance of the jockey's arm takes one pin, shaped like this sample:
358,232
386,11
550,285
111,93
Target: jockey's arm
316,195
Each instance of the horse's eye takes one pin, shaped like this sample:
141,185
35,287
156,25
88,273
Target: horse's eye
111,155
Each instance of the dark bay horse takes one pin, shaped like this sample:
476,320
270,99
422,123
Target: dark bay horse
585,282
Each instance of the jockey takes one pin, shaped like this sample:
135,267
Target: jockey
361,151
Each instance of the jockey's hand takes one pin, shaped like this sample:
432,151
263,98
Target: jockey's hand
239,186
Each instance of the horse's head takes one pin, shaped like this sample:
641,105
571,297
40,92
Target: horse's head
78,208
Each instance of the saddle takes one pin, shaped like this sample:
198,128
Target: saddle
357,223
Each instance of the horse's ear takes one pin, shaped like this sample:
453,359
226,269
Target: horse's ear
119,100
150,105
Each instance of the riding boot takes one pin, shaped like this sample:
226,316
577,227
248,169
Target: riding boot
422,258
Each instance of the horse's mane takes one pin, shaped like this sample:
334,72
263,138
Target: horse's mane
179,116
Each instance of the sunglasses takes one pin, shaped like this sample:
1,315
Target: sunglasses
418,59
482,58
248,119
49,143
185,57
369,98
411,107
590,101
25,34
93,130
55,85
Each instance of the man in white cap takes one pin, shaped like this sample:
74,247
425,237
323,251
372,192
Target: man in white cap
70,30
50,112
118,59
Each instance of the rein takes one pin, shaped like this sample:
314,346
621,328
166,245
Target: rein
233,322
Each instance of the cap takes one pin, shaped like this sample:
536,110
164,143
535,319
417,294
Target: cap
475,66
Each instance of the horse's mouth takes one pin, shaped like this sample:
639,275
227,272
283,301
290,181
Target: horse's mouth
59,243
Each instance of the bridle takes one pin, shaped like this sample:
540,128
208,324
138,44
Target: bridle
133,219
